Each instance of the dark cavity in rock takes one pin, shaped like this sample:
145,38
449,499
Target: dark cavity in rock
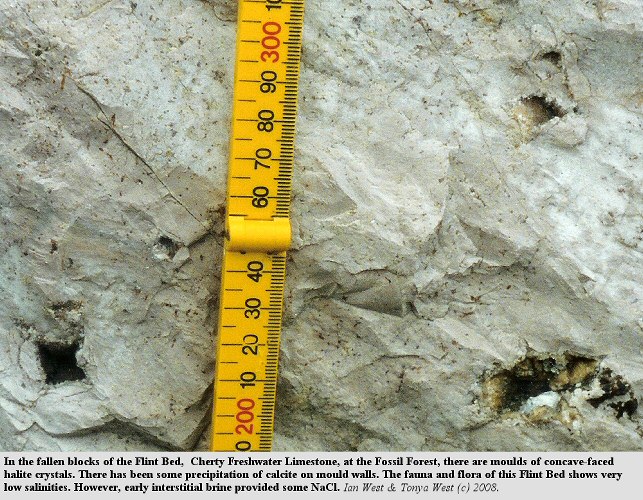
167,246
58,361
552,56
508,389
540,109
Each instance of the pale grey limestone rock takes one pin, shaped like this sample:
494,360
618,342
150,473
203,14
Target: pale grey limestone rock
467,222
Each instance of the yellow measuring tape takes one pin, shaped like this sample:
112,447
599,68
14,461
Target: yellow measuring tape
257,225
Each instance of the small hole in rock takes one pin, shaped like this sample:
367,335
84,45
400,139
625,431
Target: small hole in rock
552,56
168,246
527,379
59,363
535,110
533,375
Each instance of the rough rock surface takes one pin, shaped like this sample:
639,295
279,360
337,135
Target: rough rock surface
467,258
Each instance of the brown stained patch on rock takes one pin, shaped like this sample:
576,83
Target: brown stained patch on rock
625,407
614,386
579,370
62,310
69,316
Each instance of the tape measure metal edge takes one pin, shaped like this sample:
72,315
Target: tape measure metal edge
258,225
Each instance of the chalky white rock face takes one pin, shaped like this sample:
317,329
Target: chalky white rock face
467,219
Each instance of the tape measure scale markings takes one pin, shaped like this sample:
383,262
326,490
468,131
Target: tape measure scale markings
257,225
